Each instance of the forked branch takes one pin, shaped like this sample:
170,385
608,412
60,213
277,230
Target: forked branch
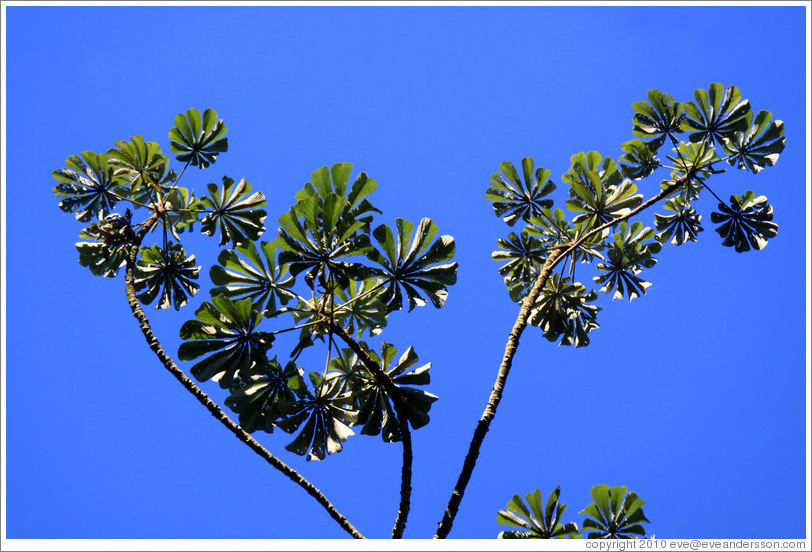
556,255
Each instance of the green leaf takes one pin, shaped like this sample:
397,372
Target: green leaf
563,311
182,211
88,185
757,148
244,273
657,119
746,222
419,270
229,328
140,164
168,273
325,228
375,408
717,114
683,225
198,141
699,157
235,211
596,190
514,199
628,254
267,393
524,254
538,524
639,161
327,417
614,514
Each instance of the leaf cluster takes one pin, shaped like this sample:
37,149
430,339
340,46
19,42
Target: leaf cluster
614,514
601,194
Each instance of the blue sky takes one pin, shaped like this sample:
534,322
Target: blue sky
694,396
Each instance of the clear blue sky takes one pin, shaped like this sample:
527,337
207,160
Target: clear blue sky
693,396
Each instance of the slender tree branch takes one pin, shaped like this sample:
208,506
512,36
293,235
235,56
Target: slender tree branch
204,399
403,423
557,254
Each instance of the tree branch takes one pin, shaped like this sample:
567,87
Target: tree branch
556,255
204,399
403,423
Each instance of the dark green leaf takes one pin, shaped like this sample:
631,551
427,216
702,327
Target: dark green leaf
235,211
168,272
563,310
757,148
229,328
628,254
244,273
658,119
746,222
88,185
416,269
683,225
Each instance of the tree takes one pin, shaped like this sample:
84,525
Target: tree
336,274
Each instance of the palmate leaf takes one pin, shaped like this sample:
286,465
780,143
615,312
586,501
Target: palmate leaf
639,161
524,255
514,199
757,148
246,273
746,222
375,409
700,157
537,523
683,225
597,189
718,113
658,119
168,273
234,210
198,141
227,330
324,417
139,163
89,186
266,393
614,514
415,269
628,254
563,311
328,225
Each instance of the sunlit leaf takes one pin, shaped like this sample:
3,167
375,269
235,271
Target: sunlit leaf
227,330
614,514
535,522
244,273
234,210
168,273
198,141
718,113
656,119
757,148
419,270
683,225
88,185
514,198
628,254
